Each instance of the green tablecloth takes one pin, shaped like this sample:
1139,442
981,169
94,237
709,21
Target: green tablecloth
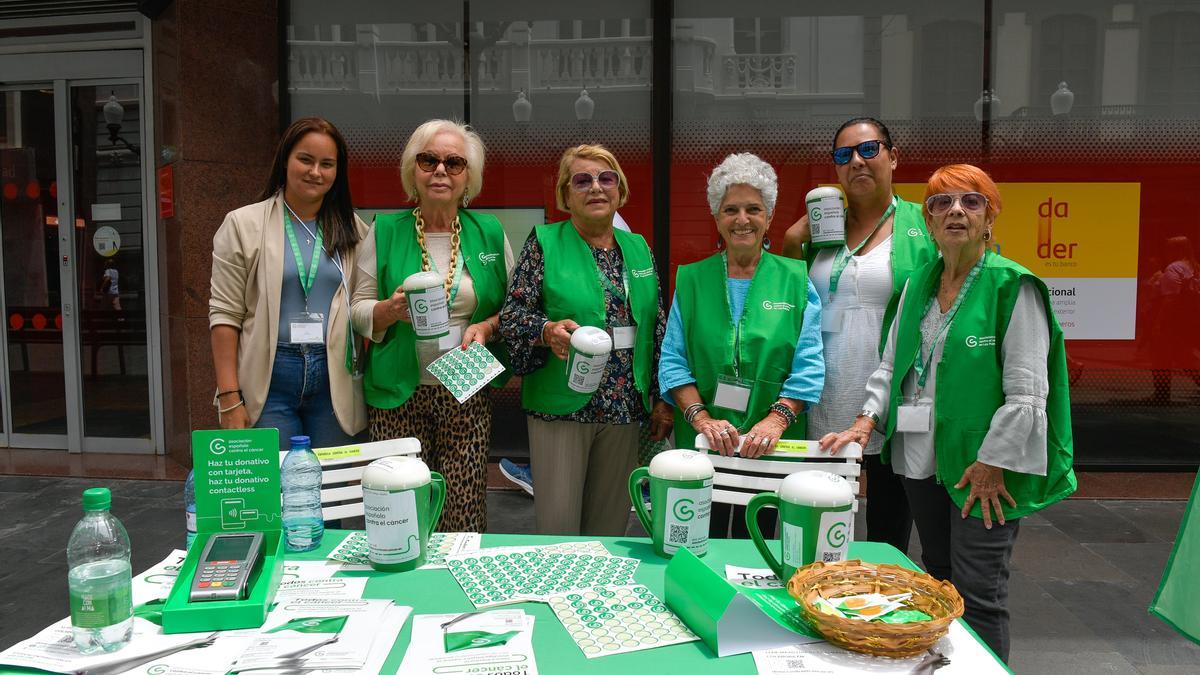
436,592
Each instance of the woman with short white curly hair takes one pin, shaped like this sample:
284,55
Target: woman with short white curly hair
441,170
742,358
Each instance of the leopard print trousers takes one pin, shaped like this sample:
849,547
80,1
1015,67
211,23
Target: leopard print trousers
454,442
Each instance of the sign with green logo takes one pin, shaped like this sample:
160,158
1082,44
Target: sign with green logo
237,480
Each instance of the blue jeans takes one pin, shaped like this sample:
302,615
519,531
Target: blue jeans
298,402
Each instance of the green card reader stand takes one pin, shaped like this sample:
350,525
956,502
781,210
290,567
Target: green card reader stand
238,494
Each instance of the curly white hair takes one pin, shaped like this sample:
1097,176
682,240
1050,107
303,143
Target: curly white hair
743,168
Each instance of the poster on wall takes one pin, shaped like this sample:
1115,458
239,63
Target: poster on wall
1082,240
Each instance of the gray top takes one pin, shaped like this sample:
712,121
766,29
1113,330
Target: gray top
291,296
1016,438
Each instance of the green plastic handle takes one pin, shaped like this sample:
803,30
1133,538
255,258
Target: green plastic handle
437,498
635,495
757,502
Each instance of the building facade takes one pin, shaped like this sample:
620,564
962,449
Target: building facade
143,128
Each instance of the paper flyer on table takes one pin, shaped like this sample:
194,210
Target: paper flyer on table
498,642
347,588
967,657
465,372
54,649
752,577
320,632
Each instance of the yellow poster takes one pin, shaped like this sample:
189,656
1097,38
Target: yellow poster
1082,240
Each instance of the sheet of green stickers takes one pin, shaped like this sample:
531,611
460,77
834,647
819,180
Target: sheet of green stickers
352,552
491,577
465,372
616,619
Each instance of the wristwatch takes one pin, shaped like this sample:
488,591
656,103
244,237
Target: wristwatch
869,414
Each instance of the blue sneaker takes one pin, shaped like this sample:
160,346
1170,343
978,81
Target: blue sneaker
519,474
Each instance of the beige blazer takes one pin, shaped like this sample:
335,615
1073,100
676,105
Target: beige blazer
247,279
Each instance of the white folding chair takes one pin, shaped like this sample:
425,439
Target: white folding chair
738,479
345,472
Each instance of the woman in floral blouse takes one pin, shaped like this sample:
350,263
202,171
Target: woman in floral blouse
580,272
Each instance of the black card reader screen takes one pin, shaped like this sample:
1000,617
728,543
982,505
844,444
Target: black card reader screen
229,548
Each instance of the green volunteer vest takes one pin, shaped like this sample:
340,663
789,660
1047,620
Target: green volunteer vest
912,249
970,379
769,328
392,371
572,290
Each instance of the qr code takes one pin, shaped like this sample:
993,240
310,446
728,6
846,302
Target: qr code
795,664
419,321
678,534
577,379
831,556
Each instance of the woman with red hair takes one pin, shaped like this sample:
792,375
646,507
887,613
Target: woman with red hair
972,391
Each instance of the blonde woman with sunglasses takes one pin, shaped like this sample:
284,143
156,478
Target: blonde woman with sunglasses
442,170
859,283
583,272
972,391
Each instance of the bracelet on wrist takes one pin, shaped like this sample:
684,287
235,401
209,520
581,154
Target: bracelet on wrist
235,406
691,411
783,411
218,394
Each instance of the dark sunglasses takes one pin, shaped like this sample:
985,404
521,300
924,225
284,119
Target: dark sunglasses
866,150
972,202
429,163
582,182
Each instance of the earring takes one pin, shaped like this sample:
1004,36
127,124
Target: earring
766,243
720,243
465,199
987,235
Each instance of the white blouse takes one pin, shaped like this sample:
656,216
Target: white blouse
1016,438
852,353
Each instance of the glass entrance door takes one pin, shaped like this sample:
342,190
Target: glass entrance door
77,358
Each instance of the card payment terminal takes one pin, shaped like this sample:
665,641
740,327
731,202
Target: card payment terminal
223,572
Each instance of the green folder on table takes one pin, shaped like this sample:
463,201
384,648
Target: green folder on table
732,619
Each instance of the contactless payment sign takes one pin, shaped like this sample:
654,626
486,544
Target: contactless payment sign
1082,240
237,480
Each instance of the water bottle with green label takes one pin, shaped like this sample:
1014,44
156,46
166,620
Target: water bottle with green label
99,579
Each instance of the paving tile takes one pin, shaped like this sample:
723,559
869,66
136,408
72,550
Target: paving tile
1142,562
1112,612
33,599
1069,662
1089,522
1045,553
510,512
1159,519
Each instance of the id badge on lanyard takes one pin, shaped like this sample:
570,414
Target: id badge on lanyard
914,416
623,337
831,319
308,328
733,393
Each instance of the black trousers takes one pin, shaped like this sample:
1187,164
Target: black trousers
965,553
889,519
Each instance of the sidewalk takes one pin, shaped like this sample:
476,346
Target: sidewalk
1084,571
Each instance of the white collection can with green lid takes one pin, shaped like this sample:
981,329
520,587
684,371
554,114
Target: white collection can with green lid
826,216
427,306
587,358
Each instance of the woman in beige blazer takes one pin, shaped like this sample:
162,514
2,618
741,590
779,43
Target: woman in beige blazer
279,311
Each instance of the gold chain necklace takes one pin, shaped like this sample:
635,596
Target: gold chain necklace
455,239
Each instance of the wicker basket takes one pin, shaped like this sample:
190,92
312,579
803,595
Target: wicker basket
938,599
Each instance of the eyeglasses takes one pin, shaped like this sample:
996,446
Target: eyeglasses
866,150
582,182
429,163
972,202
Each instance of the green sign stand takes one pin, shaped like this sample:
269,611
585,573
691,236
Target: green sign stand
237,490
732,619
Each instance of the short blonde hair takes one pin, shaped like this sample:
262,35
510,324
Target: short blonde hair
585,151
472,147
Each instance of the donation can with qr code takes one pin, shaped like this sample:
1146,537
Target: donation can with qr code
688,513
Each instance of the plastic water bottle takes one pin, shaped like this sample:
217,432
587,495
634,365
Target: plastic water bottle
303,525
189,507
100,580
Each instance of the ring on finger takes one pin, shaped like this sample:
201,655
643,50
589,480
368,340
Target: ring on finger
725,432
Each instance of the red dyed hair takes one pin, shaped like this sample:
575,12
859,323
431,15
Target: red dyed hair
962,178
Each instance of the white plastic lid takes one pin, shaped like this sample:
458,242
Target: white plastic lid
816,488
823,192
681,465
422,280
591,341
395,473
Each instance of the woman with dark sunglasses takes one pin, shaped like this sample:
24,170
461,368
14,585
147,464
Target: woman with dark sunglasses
279,309
859,283
442,170
583,272
972,390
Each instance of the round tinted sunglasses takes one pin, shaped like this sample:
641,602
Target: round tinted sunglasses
972,202
582,182
866,150
429,163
